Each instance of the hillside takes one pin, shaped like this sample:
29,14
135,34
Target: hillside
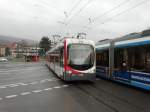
7,39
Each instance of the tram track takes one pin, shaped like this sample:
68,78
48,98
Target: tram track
116,97
108,99
97,99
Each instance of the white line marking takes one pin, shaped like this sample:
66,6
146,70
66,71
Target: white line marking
47,89
32,83
20,83
1,98
13,85
23,84
46,80
49,79
37,91
2,87
25,93
56,87
11,96
65,85
42,81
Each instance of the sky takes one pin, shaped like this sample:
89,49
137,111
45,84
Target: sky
99,19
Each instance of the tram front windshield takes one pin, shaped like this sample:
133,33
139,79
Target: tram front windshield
81,56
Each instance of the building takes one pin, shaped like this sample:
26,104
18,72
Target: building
2,50
31,54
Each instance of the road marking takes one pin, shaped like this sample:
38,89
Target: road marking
65,85
11,96
31,83
42,81
12,70
46,80
49,79
13,85
47,89
25,93
2,87
23,84
37,91
57,87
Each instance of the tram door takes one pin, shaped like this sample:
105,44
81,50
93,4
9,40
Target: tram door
121,64
102,63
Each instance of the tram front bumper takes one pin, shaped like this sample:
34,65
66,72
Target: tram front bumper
74,77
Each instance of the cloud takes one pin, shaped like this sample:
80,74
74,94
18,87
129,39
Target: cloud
36,18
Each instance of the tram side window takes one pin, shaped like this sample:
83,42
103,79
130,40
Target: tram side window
56,56
118,58
102,58
136,58
148,59
132,57
139,58
61,56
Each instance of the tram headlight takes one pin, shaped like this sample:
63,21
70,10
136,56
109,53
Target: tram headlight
69,72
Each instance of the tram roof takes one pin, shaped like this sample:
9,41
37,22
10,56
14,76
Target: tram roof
140,36
127,37
70,40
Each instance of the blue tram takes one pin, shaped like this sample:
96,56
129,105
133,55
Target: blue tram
125,59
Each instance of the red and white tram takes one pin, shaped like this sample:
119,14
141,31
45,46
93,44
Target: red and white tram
73,59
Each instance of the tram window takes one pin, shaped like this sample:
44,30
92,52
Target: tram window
61,56
56,55
118,58
148,60
137,58
102,58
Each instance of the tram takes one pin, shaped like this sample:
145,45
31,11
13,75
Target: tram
125,59
73,59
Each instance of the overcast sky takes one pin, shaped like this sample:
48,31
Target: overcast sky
99,19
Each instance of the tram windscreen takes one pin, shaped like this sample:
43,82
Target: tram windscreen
80,56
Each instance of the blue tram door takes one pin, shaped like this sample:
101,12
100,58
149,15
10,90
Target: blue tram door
121,60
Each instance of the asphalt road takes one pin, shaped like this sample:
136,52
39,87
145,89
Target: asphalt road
31,87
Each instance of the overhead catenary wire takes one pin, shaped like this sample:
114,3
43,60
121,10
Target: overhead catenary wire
44,3
92,20
125,11
68,13
67,20
79,11
74,7
112,9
